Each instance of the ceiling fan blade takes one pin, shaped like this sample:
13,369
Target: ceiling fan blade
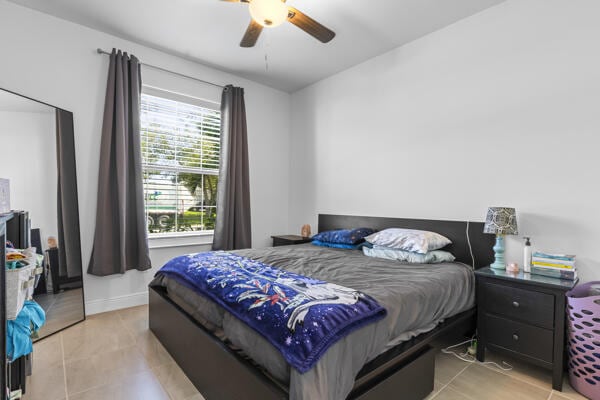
309,25
252,34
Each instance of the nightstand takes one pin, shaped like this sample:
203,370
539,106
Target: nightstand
523,315
286,240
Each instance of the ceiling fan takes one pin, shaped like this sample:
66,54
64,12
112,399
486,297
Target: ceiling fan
272,13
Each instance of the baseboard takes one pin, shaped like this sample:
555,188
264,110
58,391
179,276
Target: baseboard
116,303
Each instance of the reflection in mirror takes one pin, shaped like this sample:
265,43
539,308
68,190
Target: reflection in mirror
40,166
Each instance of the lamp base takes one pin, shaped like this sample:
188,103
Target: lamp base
499,262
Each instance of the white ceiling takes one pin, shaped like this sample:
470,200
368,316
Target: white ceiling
15,103
209,31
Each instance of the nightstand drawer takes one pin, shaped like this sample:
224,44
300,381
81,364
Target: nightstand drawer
532,307
523,338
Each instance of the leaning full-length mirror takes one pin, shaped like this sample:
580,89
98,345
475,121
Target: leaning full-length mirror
39,163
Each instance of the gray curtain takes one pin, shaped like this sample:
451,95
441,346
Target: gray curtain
69,248
232,227
121,239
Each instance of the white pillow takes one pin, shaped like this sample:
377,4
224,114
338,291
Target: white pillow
432,257
409,239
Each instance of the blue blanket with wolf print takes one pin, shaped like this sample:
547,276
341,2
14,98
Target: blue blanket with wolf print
302,317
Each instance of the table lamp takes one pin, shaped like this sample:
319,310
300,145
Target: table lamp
500,221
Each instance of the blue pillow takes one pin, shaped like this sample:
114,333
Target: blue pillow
344,236
337,245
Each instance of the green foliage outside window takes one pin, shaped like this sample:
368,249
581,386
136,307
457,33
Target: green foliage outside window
180,151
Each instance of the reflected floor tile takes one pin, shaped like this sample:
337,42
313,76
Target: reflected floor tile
175,382
47,380
568,391
479,382
447,367
437,386
47,351
153,350
135,319
46,383
520,370
138,386
99,333
450,394
104,368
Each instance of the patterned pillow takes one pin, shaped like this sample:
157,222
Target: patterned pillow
337,245
344,236
409,239
431,257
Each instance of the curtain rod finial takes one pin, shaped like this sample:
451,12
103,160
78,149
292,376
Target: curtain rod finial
99,50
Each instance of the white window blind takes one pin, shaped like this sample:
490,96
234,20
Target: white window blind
180,156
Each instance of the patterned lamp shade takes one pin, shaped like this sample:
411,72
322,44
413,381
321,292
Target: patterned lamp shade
501,221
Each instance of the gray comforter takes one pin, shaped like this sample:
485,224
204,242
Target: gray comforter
417,297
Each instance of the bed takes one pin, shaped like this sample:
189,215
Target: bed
226,360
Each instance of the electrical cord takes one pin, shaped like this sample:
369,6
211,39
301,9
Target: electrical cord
466,357
470,247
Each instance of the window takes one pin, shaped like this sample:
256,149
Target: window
180,157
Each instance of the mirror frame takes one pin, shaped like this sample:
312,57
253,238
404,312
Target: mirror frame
76,188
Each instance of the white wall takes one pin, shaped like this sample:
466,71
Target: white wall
55,61
498,109
29,161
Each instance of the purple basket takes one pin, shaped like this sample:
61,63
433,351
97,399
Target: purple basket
583,313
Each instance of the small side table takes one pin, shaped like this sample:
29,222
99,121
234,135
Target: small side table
523,315
286,240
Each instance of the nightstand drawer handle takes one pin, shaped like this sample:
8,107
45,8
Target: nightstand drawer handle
515,304
515,337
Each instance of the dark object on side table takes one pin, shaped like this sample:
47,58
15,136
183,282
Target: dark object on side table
286,240
523,315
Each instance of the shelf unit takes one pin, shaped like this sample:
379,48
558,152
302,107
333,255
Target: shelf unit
4,363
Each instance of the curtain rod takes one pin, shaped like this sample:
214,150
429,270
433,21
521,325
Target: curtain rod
100,51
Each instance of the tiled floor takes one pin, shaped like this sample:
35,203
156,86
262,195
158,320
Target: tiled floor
114,356
62,309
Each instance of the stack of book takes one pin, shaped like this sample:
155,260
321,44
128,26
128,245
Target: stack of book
561,266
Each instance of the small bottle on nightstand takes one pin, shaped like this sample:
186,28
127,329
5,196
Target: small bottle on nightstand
527,255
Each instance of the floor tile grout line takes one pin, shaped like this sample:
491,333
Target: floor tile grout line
150,367
520,379
495,371
79,359
457,391
62,352
129,331
135,339
499,371
450,381
102,385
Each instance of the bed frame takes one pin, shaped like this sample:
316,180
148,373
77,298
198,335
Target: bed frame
221,373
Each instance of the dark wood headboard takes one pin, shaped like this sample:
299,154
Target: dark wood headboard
456,231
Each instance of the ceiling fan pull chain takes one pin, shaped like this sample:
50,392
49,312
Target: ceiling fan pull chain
266,63
267,45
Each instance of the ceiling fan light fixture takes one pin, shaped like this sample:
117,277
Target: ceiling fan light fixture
269,13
